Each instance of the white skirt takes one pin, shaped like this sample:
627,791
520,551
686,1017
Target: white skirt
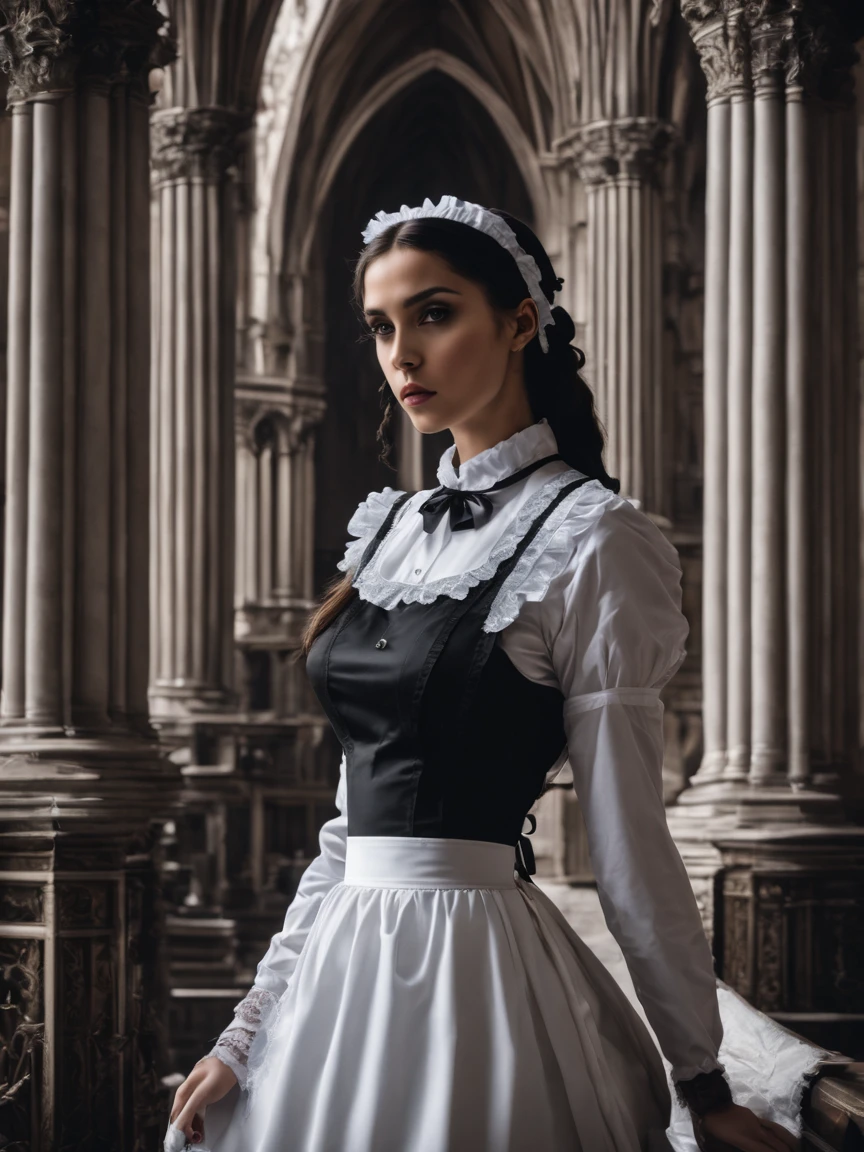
442,1004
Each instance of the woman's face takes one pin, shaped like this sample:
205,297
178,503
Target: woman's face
434,330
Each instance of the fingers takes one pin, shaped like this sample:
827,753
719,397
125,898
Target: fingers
190,1119
180,1098
194,1132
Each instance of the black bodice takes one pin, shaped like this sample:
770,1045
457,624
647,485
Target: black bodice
443,735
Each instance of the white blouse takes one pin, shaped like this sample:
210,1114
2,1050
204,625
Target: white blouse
593,607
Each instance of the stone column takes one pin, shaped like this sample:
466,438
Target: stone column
620,163
192,522
769,603
771,552
780,677
275,431
710,37
81,777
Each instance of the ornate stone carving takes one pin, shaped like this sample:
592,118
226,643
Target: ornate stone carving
288,423
794,936
632,148
641,147
807,43
737,47
49,45
200,143
595,154
737,903
244,421
772,33
21,1034
707,23
769,947
83,904
36,46
21,903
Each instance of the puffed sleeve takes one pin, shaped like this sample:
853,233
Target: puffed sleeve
620,636
278,963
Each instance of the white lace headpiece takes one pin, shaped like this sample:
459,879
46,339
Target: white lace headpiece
452,208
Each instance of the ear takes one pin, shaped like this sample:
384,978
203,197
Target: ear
527,324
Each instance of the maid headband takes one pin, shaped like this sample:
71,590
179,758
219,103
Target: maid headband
452,208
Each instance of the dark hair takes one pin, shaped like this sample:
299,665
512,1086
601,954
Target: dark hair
553,382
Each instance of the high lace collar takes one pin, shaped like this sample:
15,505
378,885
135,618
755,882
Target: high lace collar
502,459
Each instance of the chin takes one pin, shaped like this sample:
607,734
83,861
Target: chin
428,423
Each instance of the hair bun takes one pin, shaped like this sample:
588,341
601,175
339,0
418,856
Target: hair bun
564,330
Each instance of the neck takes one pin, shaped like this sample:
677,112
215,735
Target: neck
508,413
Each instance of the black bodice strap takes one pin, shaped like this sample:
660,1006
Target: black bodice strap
385,526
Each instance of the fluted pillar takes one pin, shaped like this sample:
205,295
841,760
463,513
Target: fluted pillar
192,521
81,777
620,163
772,808
275,437
769,601
779,463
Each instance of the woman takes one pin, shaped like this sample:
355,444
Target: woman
422,997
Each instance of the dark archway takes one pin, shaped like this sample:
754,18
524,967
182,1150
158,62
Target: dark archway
434,138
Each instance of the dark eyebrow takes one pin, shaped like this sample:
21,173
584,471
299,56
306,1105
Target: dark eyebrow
415,299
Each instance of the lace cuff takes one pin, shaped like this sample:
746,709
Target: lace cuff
232,1048
234,1044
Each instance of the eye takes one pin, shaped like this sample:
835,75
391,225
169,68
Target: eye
435,312
443,312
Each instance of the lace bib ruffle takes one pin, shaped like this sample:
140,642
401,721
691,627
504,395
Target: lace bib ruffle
545,557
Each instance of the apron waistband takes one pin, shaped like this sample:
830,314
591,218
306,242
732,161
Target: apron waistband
428,862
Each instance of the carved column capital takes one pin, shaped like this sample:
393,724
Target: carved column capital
51,45
772,39
196,142
743,45
304,421
244,420
594,154
632,149
720,35
641,146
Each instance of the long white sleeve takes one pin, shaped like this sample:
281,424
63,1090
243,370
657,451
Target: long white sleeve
621,637
277,966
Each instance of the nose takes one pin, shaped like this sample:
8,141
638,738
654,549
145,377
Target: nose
403,357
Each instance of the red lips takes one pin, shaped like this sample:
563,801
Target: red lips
410,389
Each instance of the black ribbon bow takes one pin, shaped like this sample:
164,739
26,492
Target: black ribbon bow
462,515
459,501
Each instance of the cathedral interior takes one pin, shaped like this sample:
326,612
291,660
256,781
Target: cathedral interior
188,422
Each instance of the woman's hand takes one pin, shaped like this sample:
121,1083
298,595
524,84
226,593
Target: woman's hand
208,1082
734,1128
